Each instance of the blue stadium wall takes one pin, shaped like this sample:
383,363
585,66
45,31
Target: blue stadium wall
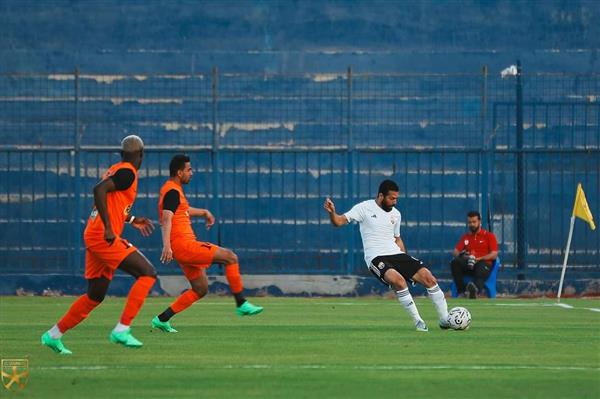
294,125
165,36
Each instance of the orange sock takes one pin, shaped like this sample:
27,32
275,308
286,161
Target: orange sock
79,311
137,295
232,272
184,301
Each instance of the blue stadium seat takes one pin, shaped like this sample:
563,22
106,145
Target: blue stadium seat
490,283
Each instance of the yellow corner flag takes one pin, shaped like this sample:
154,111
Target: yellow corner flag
581,208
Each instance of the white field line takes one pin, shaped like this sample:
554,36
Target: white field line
552,305
564,305
323,367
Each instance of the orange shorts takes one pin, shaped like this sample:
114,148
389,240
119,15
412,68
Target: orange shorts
102,259
193,256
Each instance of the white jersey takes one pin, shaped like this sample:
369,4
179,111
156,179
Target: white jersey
378,229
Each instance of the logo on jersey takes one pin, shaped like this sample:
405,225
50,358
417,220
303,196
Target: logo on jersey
374,216
94,213
393,219
127,210
466,242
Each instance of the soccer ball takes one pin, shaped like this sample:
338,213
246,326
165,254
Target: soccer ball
459,318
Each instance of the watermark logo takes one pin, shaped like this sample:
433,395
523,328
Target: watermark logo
15,373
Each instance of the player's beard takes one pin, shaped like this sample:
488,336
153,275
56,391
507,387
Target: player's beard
474,229
385,207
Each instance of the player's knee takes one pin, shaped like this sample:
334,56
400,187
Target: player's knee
149,271
231,257
396,280
400,284
428,279
201,289
96,296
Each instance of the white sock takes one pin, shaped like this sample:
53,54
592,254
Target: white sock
55,332
439,301
406,300
120,327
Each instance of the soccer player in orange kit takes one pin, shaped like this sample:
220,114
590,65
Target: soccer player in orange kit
194,257
106,251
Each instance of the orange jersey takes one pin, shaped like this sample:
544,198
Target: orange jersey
181,224
118,205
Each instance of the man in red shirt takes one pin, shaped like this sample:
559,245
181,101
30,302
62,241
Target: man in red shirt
474,255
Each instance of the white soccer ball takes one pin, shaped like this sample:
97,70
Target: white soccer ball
459,318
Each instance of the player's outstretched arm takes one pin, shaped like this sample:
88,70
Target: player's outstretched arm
165,227
336,220
204,213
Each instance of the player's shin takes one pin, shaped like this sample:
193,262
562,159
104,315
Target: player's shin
244,308
232,273
79,311
183,302
137,295
439,302
406,299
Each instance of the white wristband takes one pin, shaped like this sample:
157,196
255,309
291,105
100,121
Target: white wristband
131,220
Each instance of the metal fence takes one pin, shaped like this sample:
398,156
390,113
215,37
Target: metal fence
267,149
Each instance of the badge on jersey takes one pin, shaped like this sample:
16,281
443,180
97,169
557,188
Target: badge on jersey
15,373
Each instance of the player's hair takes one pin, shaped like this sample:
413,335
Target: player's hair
177,163
473,214
386,186
131,144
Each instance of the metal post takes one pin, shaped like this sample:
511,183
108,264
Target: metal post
521,249
350,167
215,159
77,182
485,145
566,258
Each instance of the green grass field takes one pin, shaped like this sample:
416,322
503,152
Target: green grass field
312,348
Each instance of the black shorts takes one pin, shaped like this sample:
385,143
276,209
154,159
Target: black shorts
404,264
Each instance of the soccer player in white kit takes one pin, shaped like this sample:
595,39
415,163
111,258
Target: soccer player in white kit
385,252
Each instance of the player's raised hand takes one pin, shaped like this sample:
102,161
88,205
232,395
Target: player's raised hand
329,205
167,255
210,219
144,225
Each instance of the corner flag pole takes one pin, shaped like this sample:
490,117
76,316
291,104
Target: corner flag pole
581,210
564,267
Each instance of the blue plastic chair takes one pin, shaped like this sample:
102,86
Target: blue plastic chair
490,283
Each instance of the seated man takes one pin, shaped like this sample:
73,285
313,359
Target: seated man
474,256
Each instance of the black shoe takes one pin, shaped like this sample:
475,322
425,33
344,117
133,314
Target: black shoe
472,290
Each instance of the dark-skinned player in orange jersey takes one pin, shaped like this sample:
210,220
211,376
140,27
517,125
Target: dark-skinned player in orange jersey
106,251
